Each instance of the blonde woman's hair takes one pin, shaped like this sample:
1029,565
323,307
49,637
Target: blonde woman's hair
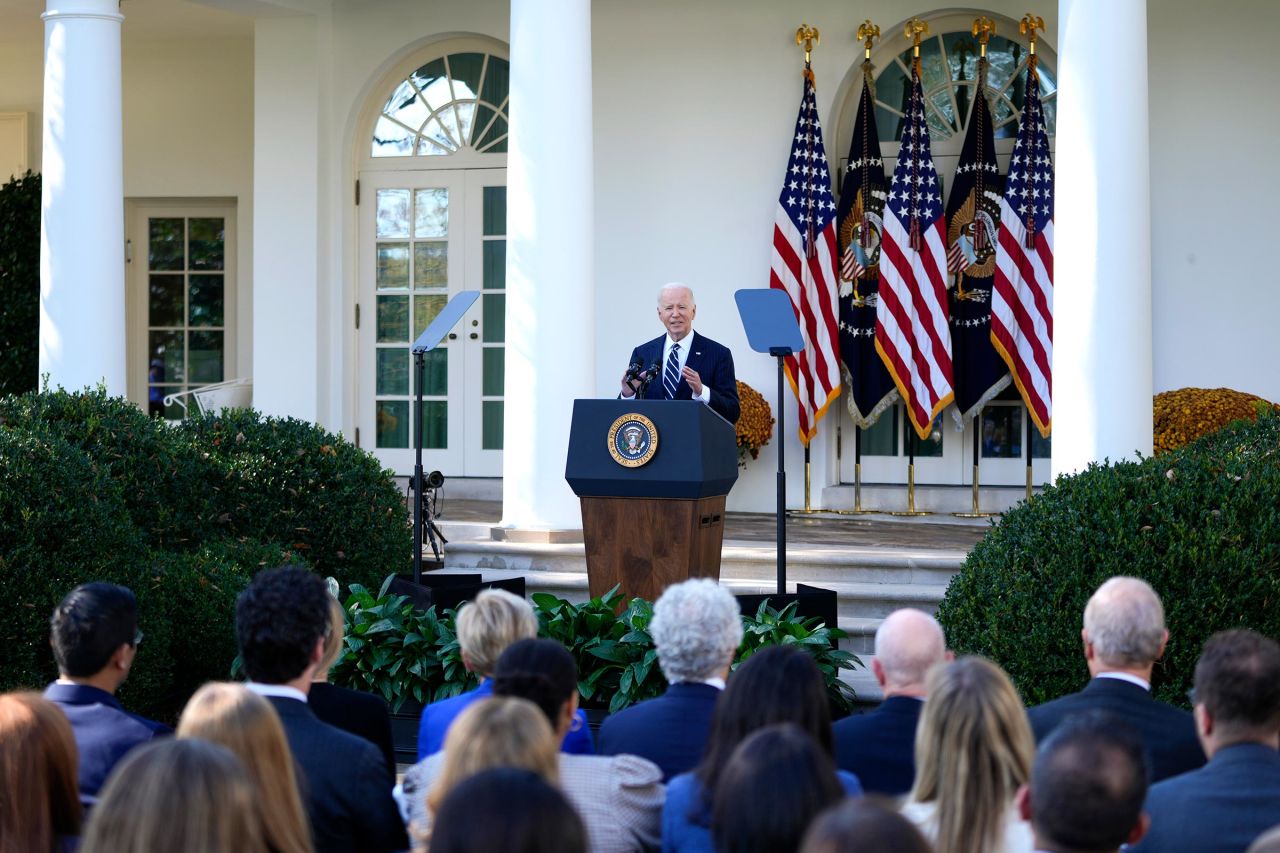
332,640
177,794
232,716
974,748
501,731
490,623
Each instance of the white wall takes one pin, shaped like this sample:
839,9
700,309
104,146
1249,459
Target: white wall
1215,181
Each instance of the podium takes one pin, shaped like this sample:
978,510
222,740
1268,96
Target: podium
652,476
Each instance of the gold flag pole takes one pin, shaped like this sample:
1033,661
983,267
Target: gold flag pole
983,29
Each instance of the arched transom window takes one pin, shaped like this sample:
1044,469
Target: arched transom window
949,75
455,103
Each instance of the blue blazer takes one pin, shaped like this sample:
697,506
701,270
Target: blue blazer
712,361
1221,807
1168,732
670,730
879,747
103,730
438,716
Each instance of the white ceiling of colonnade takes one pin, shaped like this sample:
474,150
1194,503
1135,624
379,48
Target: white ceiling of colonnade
150,19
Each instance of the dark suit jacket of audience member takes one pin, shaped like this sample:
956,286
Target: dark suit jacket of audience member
1168,732
104,731
879,747
345,784
362,714
1223,806
670,730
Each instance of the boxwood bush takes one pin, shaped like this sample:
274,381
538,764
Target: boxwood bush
1201,524
91,488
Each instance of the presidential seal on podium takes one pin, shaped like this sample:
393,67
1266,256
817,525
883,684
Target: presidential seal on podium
633,439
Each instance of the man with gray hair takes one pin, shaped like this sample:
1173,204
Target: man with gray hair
696,628
1123,637
682,364
879,747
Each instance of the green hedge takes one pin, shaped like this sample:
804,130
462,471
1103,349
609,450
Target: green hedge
1201,524
91,488
19,284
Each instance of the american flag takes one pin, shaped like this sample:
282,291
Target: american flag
912,334
1022,296
804,264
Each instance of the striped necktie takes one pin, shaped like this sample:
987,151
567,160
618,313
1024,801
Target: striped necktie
671,376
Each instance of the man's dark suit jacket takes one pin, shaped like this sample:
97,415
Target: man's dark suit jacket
879,747
345,784
670,730
712,361
1221,807
1168,732
362,714
104,731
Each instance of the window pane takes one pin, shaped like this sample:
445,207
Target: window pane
497,81
484,115
962,55
392,423
406,107
435,421
931,446
495,264
942,102
393,319
495,318
436,367
1004,56
164,301
495,211
206,302
1041,448
430,265
207,244
491,425
393,213
436,132
156,406
432,82
1002,432
165,357
205,358
466,117
393,371
392,140
465,69
165,250
879,439
494,372
425,309
393,265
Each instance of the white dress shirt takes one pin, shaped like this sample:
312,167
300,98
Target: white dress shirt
1124,676
282,691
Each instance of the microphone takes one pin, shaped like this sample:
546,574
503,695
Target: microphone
633,370
652,372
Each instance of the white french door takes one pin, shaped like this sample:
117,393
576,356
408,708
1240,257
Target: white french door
426,235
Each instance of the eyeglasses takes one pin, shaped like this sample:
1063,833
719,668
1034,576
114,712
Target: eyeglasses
137,638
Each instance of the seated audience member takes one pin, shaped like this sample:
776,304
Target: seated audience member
1124,635
775,784
1228,803
879,746
94,634
1087,787
485,627
619,797
863,825
187,794
495,732
696,629
510,810
281,621
362,714
779,684
973,752
39,795
232,716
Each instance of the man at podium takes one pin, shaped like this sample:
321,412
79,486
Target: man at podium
682,364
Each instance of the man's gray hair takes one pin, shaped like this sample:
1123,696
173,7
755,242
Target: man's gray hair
677,285
696,628
1125,622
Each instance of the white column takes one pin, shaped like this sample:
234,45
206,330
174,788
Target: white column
1102,256
550,348
82,321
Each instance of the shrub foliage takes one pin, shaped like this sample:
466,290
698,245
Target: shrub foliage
1201,524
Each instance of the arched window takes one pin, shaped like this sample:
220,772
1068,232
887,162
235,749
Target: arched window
455,103
949,75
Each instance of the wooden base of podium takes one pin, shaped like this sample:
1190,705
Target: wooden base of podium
647,544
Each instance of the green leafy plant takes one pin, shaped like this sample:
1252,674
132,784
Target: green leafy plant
1200,523
770,627
19,284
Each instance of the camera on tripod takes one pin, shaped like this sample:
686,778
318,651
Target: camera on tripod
430,496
